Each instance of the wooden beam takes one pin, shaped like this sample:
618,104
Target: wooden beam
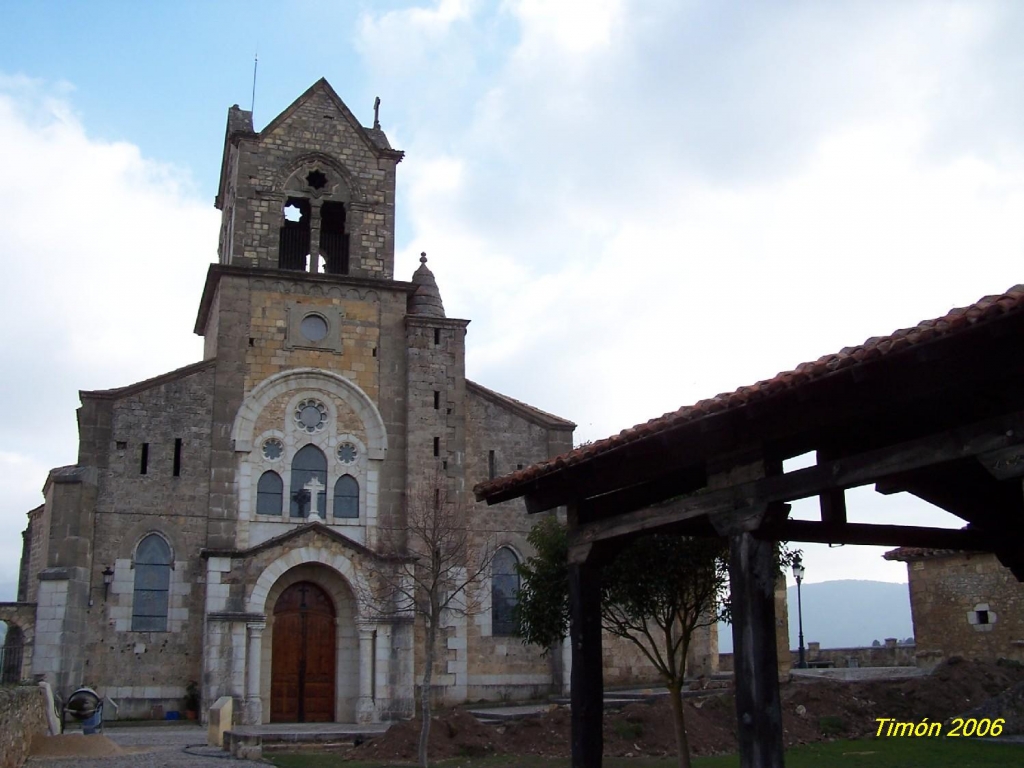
965,489
847,472
755,660
1005,464
641,495
833,506
880,535
587,674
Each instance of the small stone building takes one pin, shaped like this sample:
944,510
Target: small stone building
963,604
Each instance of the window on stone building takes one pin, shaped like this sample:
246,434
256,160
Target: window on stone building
492,465
176,468
309,465
333,240
269,494
346,497
504,586
293,245
152,584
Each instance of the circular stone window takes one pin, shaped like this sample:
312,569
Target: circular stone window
347,453
272,449
313,327
311,416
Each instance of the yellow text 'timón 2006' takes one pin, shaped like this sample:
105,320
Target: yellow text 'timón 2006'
958,726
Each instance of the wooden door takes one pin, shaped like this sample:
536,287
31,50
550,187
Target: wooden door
302,656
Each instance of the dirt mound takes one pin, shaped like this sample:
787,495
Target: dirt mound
453,733
1008,705
812,710
75,745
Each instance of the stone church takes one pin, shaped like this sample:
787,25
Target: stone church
222,519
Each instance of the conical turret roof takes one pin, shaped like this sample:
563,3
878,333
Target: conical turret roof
426,301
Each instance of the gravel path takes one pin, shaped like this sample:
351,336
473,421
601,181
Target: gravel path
164,748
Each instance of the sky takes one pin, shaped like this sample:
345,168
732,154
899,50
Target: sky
638,204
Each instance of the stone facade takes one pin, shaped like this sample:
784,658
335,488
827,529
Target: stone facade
205,499
963,604
22,718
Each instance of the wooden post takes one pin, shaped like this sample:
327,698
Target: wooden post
758,711
587,673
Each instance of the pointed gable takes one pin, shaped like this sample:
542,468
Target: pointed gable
321,101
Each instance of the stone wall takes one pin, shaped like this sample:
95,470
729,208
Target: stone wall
503,436
143,669
22,716
889,655
965,605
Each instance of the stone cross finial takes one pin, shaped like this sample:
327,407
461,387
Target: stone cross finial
376,113
314,487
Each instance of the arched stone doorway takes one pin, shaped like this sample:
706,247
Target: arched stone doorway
283,648
303,658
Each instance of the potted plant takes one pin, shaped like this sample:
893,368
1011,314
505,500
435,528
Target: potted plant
192,700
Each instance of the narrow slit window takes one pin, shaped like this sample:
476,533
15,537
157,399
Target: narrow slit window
177,457
492,465
437,400
437,336
437,446
144,459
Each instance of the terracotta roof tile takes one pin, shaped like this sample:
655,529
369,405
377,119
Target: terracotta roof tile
876,347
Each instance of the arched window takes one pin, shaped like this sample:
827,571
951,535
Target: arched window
346,497
269,493
309,464
152,584
504,586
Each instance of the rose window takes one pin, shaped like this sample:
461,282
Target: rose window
347,453
272,449
311,416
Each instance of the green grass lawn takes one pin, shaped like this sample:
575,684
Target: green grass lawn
870,753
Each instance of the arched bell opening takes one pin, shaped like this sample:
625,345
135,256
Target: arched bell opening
310,650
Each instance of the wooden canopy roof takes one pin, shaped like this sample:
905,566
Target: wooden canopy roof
936,410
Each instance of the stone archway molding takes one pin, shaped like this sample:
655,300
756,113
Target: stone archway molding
307,555
310,378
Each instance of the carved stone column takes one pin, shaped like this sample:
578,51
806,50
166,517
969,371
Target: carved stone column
365,712
253,714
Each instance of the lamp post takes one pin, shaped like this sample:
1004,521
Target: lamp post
108,579
798,574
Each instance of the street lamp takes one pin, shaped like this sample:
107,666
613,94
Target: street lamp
798,574
108,579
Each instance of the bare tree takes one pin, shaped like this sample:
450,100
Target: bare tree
434,565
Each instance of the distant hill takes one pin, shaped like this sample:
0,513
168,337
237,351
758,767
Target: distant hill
840,614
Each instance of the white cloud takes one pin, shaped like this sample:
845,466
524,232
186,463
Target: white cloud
686,199
104,255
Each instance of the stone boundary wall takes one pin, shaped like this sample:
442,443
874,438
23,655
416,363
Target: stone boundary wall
22,716
889,655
